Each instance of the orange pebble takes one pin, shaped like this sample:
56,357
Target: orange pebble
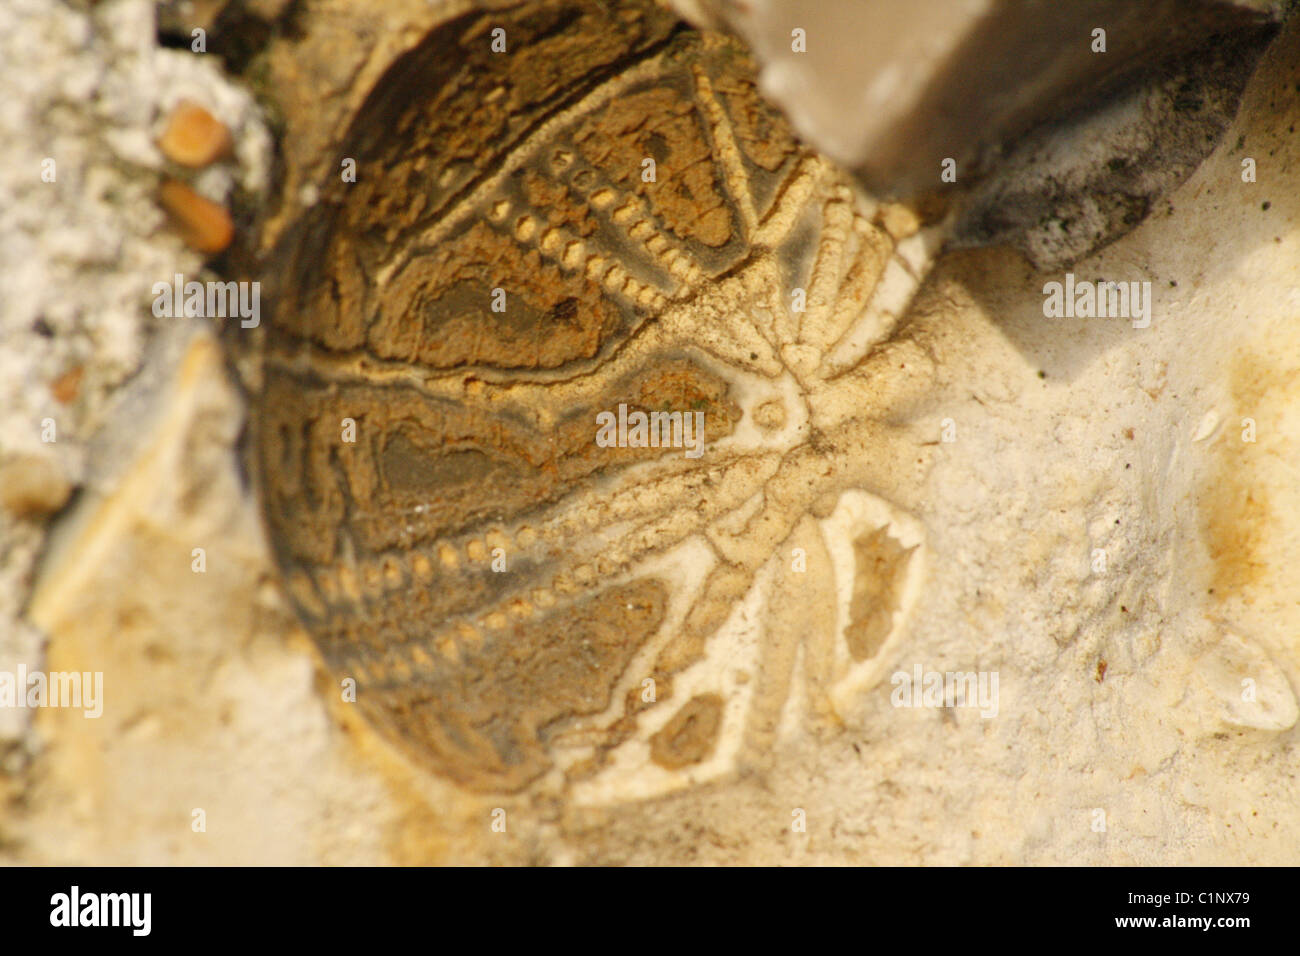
64,388
204,225
194,137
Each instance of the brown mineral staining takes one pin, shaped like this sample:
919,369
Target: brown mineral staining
204,225
691,735
881,570
767,140
32,486
1236,506
194,137
482,716
550,317
665,126
65,387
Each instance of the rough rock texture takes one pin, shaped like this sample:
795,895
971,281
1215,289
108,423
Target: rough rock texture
82,240
1048,440
1077,183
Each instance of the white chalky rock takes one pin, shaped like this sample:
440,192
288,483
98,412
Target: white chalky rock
1243,687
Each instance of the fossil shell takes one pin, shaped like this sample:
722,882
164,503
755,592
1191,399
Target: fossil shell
515,600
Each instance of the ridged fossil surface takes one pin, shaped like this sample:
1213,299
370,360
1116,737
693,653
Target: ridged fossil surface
602,214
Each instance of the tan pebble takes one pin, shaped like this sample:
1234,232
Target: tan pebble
899,221
194,137
204,225
32,486
64,388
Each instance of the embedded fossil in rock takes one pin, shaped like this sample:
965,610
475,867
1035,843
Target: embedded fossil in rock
602,213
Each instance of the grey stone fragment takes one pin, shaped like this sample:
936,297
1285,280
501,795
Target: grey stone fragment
1077,183
1013,93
